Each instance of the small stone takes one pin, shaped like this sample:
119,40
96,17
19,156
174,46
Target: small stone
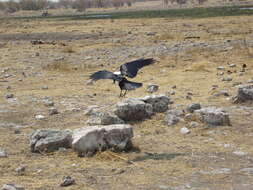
236,83
232,65
44,87
8,87
3,153
227,79
184,130
171,119
7,96
17,131
174,87
221,68
239,153
152,88
53,111
221,93
192,107
21,170
250,81
37,54
151,33
67,181
188,97
193,124
39,117
172,92
12,187
48,103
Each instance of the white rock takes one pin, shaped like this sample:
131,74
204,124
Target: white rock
184,130
39,117
239,153
90,139
49,140
214,116
12,187
133,109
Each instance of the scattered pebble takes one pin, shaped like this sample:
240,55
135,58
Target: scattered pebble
3,153
184,130
67,181
239,153
232,65
44,87
21,169
227,79
53,111
39,117
221,68
7,96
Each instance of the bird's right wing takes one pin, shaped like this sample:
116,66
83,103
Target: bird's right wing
104,74
130,69
129,85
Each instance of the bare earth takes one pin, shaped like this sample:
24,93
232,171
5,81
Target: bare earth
187,53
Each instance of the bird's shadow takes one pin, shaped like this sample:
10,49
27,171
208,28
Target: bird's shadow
155,156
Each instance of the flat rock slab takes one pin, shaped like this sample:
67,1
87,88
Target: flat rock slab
88,140
12,187
244,93
50,140
213,116
133,110
159,102
104,118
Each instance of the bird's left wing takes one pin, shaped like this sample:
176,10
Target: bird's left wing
104,74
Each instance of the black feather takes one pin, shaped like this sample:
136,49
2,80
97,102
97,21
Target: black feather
125,84
104,74
130,69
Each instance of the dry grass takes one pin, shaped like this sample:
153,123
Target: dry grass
166,157
61,65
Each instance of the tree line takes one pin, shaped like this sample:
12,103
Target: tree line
80,5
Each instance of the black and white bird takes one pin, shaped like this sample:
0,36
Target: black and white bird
129,69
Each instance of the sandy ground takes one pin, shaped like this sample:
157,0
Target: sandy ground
205,159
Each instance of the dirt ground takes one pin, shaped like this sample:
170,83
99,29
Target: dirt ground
188,53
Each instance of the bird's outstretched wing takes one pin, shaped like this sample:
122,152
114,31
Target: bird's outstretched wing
104,74
129,85
130,69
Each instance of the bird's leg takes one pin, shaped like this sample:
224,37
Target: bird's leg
120,93
125,93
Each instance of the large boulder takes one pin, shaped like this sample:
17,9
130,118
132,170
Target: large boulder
133,110
104,118
12,187
159,102
244,93
213,116
50,140
88,140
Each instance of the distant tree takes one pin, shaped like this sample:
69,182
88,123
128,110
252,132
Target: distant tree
33,4
80,5
181,2
65,3
2,6
117,3
12,6
201,2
